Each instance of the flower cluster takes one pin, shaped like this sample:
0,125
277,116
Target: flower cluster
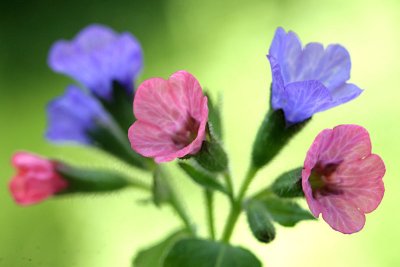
174,119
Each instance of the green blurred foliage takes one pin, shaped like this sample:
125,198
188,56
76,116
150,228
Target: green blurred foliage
223,43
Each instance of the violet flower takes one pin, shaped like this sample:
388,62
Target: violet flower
97,57
308,79
73,115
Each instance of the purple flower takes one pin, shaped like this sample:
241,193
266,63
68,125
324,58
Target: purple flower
309,79
73,115
97,57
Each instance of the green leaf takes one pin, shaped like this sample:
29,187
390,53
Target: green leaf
214,116
260,222
161,189
206,253
154,256
285,212
288,184
202,177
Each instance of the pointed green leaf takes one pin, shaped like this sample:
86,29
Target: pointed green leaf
206,253
202,177
154,256
260,221
285,212
288,184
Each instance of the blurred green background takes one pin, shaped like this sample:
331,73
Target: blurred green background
223,43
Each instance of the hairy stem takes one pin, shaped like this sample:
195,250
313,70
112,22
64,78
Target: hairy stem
209,196
237,206
177,204
229,184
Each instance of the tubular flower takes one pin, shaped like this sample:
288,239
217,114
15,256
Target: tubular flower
171,117
73,115
342,179
36,179
97,57
308,79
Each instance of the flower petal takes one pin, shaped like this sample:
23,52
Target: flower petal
361,182
97,57
345,93
71,115
342,216
278,86
150,140
303,99
188,93
345,143
330,66
286,48
157,104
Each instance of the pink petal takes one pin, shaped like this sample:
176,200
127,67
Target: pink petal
345,142
341,216
162,108
23,160
36,179
30,164
150,140
313,153
155,104
361,181
188,93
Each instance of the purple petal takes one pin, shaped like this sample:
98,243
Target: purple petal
285,48
345,93
330,66
278,86
71,115
97,57
303,99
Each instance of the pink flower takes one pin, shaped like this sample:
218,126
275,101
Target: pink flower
36,179
171,117
342,179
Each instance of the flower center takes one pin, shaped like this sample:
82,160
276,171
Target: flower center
187,133
321,180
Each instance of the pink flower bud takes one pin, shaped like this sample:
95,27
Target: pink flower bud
342,179
36,179
171,117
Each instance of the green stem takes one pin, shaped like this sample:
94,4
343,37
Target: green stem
177,205
237,206
229,184
209,196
